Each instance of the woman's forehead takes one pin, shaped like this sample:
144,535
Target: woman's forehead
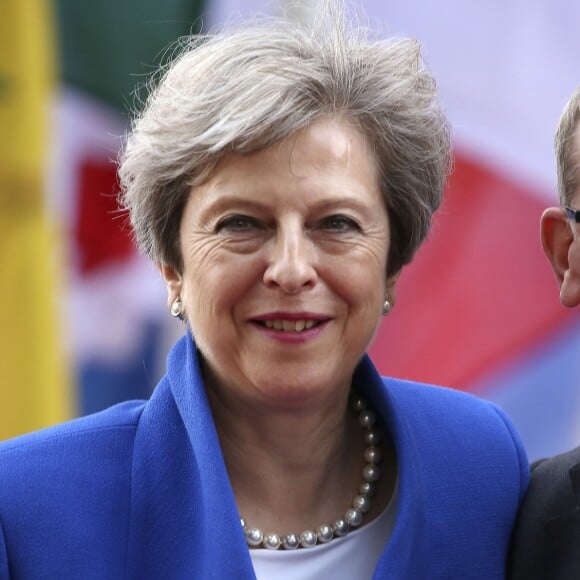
327,145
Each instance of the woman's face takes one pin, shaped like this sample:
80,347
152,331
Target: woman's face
285,254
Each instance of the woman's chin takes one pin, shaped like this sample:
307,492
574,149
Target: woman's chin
298,394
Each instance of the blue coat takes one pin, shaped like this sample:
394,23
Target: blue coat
140,491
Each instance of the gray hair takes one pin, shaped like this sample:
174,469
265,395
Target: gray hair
568,168
243,90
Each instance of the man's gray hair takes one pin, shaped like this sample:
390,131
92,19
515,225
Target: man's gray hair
567,146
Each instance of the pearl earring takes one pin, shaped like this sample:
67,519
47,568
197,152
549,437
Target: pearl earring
386,307
177,308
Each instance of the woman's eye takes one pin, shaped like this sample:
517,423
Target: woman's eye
340,223
238,223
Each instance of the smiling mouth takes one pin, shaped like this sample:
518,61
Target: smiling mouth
290,325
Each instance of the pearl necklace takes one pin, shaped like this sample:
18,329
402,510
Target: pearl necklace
353,517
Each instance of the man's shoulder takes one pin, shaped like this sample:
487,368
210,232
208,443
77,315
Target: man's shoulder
547,532
559,464
554,485
568,459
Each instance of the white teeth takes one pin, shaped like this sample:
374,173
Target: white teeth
289,325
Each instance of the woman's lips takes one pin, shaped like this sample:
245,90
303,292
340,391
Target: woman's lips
291,326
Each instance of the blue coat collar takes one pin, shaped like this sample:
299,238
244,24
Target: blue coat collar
184,521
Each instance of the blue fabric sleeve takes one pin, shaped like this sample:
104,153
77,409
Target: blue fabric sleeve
520,450
4,573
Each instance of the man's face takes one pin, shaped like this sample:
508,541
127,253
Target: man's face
561,240
570,289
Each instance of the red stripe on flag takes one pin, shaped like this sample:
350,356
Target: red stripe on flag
102,236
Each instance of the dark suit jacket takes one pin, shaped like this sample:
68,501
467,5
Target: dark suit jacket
546,540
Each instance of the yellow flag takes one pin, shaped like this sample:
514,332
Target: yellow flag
35,388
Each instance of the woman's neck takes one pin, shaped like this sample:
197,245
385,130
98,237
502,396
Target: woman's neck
290,469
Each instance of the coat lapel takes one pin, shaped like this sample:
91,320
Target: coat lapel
184,521
404,554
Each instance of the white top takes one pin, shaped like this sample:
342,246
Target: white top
355,555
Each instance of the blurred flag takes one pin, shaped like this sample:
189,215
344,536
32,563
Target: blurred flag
478,309
116,302
82,333
34,382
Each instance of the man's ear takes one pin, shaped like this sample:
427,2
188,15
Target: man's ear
557,239
173,281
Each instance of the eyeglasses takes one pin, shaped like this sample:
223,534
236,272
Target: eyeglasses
573,214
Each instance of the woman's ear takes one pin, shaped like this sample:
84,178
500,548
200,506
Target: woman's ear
173,281
557,240
391,288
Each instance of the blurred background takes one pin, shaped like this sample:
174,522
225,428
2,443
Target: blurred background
83,317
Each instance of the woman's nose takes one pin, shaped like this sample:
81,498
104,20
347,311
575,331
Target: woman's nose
291,261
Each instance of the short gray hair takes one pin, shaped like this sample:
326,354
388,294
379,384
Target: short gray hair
243,90
567,158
